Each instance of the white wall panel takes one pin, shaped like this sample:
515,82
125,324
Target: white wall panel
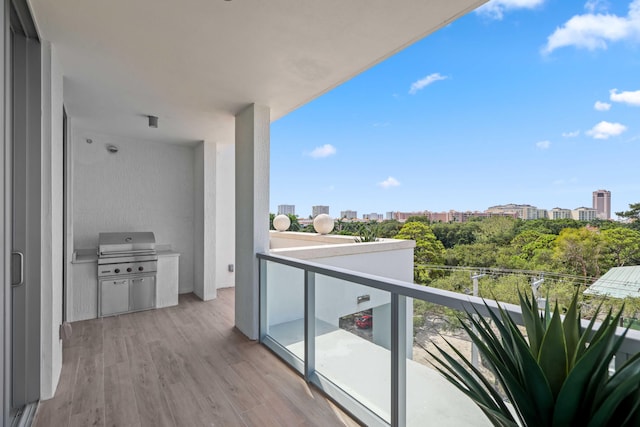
145,186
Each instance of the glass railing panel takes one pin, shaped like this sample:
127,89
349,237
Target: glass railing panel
285,307
429,395
353,341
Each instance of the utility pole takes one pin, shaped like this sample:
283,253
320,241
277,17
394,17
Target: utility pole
474,347
535,285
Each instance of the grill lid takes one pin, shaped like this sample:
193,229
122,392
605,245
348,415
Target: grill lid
126,243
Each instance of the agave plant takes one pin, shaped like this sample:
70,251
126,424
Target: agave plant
557,376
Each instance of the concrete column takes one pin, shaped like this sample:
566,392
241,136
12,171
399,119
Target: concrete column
252,211
204,278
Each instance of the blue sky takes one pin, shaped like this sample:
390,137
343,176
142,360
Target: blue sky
522,101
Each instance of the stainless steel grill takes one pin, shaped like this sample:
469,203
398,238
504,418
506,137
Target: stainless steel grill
127,266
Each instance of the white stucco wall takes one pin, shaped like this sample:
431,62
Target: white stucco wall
51,217
225,215
146,186
198,219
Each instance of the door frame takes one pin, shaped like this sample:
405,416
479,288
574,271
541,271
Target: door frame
15,17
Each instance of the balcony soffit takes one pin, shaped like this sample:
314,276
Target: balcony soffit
197,63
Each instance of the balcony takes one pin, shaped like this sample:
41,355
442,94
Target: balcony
383,379
180,366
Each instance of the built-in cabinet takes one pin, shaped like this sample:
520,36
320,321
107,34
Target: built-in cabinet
86,299
117,296
167,280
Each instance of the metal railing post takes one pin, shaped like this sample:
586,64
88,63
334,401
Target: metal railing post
398,360
474,348
309,324
263,326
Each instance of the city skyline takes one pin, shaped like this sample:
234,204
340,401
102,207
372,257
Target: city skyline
597,205
517,102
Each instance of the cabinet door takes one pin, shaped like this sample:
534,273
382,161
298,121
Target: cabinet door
114,296
143,293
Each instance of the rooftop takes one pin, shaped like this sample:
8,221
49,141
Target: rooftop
618,282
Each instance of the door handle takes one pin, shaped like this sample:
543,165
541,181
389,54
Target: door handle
21,269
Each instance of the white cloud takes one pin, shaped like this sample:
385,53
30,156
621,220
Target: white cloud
602,106
604,130
495,9
389,182
543,145
571,134
426,81
324,151
594,30
631,98
596,6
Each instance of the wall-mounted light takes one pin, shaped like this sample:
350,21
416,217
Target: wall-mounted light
153,121
113,149
363,298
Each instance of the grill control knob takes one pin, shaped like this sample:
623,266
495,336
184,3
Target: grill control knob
140,268
129,270
117,270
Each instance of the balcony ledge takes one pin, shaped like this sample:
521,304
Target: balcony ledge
313,246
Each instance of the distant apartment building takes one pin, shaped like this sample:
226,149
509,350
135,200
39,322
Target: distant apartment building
403,216
521,211
560,213
584,214
602,203
458,216
286,209
388,216
373,217
349,214
317,210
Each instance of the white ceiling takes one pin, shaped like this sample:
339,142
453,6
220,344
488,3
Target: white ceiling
196,63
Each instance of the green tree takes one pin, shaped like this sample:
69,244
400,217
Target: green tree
452,234
533,250
622,246
389,228
498,229
295,224
418,218
428,250
580,251
475,255
633,214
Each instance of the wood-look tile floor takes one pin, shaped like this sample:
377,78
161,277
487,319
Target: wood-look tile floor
179,366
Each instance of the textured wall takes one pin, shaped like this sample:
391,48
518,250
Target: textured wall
145,186
51,239
252,211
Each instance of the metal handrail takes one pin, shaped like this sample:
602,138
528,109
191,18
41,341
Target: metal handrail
630,346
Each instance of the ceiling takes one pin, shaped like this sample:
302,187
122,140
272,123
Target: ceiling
197,63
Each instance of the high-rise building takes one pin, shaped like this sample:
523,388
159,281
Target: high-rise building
349,214
317,210
286,209
602,203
